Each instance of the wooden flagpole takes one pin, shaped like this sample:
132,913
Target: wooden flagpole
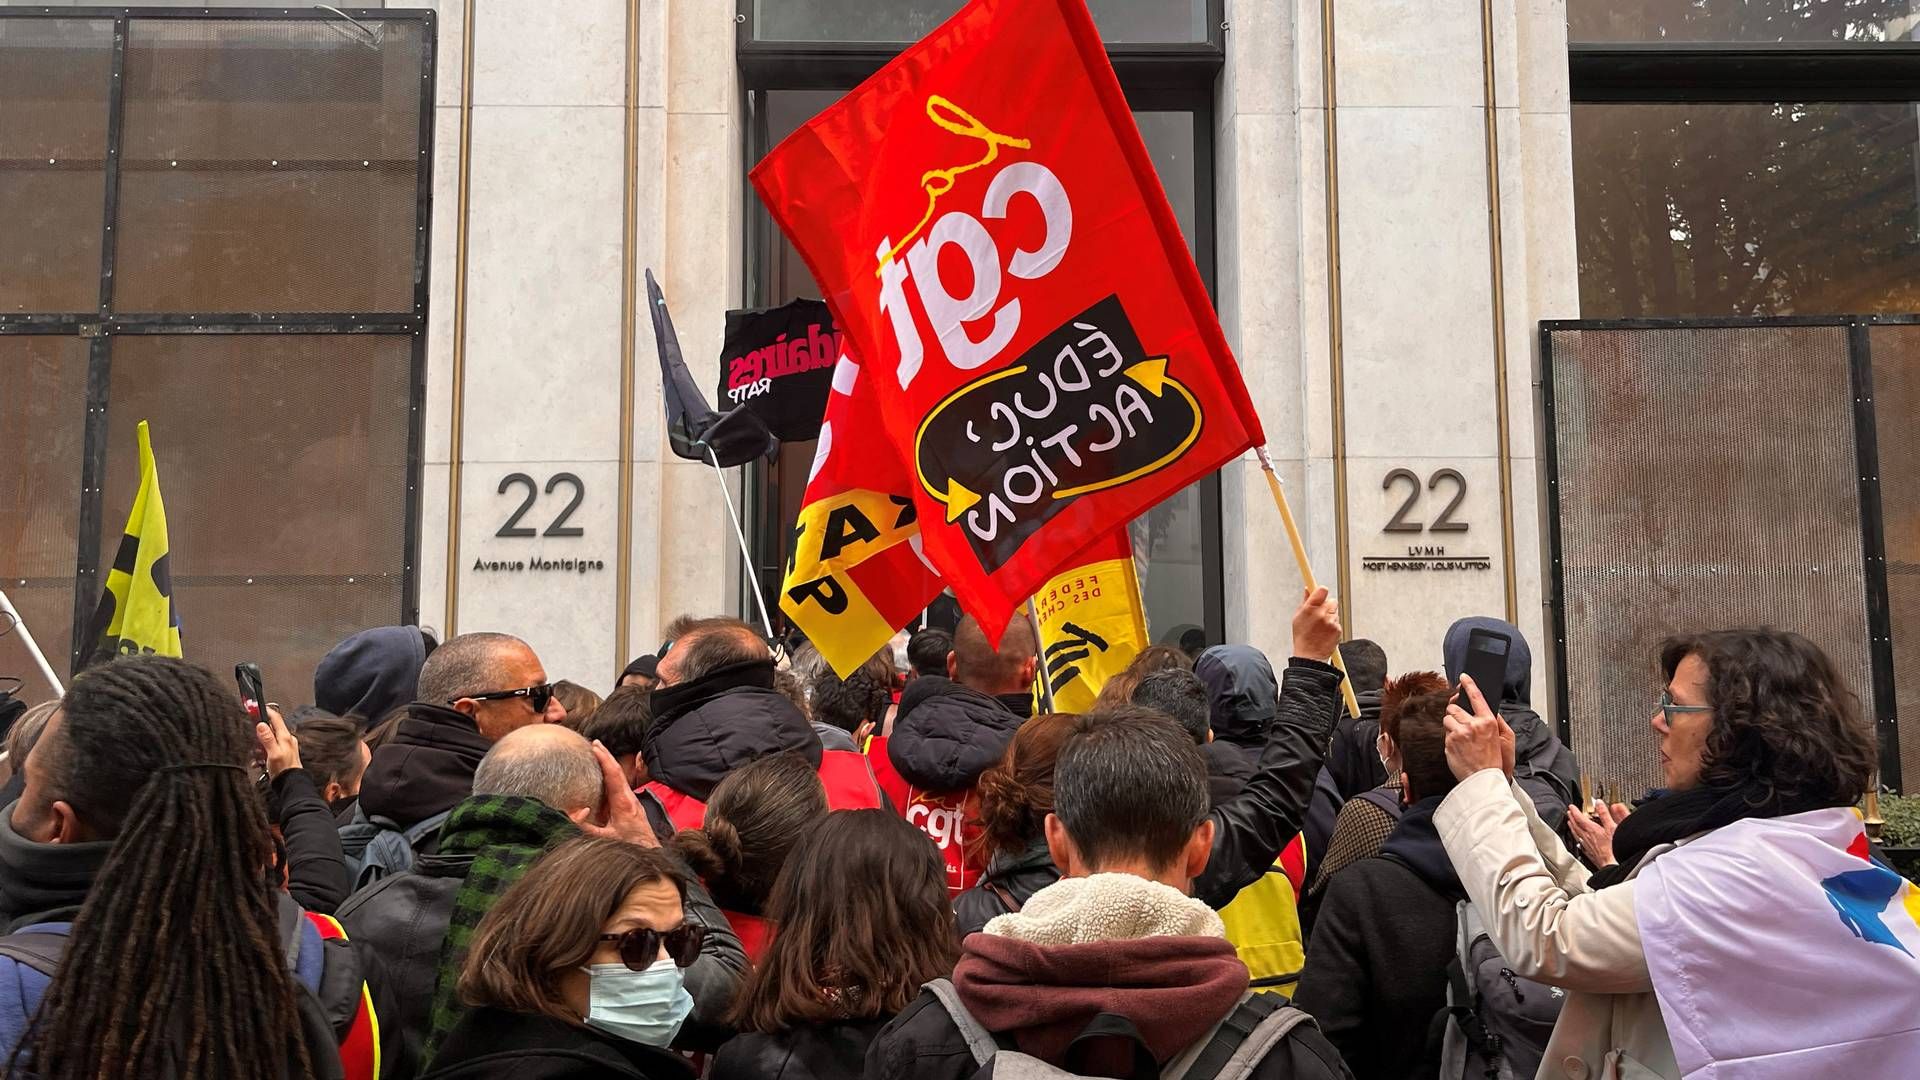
1040,645
1306,571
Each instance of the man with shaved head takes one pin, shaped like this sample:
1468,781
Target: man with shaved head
948,731
474,690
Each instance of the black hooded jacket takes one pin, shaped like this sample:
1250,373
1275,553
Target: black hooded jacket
1376,963
1228,770
1543,765
1018,877
426,768
1241,694
704,729
1353,766
371,673
945,734
494,1044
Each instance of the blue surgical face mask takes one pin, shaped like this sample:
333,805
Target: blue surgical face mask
645,1007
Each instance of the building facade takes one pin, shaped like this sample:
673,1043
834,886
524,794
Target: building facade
1386,198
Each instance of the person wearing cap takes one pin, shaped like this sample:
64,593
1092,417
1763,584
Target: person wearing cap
643,673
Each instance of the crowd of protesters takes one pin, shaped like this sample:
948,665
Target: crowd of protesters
738,864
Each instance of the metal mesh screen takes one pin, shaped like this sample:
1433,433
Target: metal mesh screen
1706,478
283,464
43,411
1896,404
270,166
54,78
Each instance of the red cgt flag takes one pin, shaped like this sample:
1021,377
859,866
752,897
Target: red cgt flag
985,222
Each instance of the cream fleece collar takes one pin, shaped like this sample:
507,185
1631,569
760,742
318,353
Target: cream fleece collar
1107,907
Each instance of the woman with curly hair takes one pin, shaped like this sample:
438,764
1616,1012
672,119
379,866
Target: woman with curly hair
1743,928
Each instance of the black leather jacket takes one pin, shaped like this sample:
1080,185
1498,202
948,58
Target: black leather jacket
1251,829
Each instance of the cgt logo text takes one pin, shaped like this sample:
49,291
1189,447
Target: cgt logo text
1085,409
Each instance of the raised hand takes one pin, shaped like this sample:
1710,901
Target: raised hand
1316,626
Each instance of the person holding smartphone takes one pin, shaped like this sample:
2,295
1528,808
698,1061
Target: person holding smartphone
316,867
1545,768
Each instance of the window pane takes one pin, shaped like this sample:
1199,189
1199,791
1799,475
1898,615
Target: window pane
1763,209
269,166
1741,20
43,411
284,467
54,76
1120,21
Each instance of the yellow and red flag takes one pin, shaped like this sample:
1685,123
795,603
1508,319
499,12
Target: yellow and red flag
854,575
1040,353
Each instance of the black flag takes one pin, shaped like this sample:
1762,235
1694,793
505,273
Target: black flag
693,428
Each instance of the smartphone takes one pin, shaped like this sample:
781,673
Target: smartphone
1487,662
253,691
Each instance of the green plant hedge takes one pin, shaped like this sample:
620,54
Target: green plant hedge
1902,813
1902,831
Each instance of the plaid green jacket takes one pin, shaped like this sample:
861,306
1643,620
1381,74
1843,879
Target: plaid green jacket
505,834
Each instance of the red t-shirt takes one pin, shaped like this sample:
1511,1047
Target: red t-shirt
942,815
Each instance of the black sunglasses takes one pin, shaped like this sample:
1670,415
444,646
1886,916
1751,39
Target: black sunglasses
537,696
640,948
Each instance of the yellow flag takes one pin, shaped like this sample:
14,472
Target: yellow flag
136,608
1091,623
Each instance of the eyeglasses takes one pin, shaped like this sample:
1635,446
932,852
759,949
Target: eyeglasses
537,696
1669,708
640,948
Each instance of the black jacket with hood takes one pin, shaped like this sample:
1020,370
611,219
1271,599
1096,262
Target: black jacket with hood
1018,876
426,768
1376,963
494,1044
1353,766
1241,694
371,673
945,734
832,1051
1249,830
1543,765
704,729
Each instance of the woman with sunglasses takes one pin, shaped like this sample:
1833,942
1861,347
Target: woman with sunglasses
578,973
863,919
1743,927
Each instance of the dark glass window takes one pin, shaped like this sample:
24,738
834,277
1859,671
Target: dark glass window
1741,20
1747,209
227,241
901,21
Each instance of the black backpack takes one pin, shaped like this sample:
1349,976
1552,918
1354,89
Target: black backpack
1496,1023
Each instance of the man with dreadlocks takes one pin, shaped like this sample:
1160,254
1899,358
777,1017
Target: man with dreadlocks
147,935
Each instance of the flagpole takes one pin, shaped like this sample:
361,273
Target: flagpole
1306,571
33,647
1039,646
726,496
